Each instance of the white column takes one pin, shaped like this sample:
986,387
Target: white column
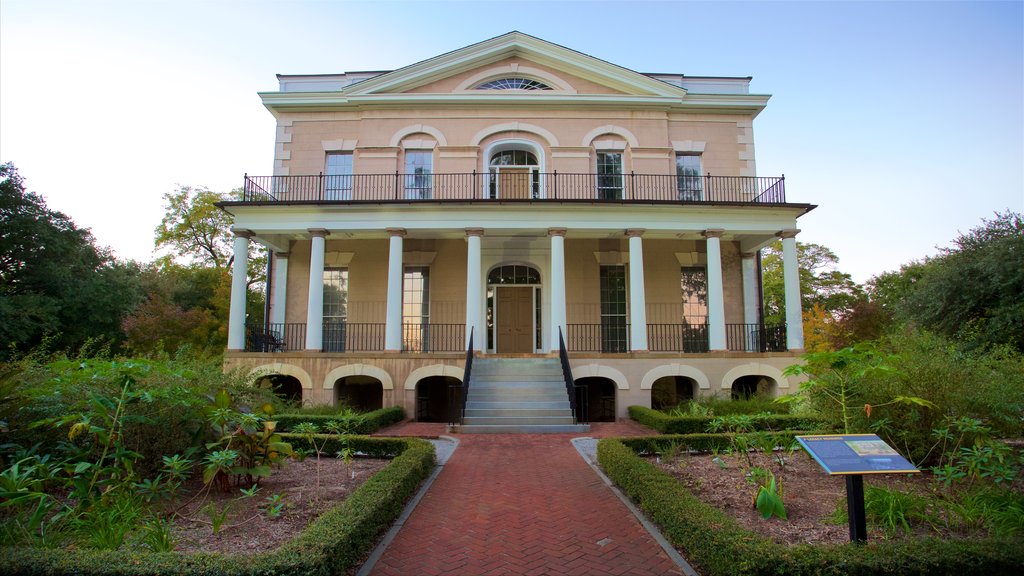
315,308
749,269
280,288
239,290
716,293
474,291
393,321
791,278
557,285
637,294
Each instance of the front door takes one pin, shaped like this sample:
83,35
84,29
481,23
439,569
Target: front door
515,319
515,183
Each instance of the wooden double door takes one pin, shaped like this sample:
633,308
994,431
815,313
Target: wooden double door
514,316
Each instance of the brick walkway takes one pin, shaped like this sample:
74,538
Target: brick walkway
523,504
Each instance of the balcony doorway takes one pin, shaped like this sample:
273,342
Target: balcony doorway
514,173
513,309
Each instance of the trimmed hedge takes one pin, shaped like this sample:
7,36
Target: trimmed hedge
699,424
718,545
698,442
333,544
368,423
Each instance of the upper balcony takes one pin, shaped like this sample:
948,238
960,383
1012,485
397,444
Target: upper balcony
526,186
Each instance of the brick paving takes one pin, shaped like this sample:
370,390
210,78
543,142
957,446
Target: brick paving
522,504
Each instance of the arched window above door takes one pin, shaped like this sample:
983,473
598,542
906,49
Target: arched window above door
514,274
514,158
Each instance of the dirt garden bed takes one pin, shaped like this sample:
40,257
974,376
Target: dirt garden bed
815,502
248,528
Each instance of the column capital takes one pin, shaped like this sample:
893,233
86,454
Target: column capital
474,232
791,233
395,231
243,233
635,232
318,232
556,232
713,233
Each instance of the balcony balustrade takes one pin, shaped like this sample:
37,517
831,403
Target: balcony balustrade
504,186
609,337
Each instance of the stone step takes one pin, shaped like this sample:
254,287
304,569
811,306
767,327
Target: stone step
527,429
552,405
516,393
510,412
517,420
495,385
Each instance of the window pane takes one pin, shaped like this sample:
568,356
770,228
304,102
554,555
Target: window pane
335,294
338,176
613,309
688,176
416,308
609,176
419,165
694,287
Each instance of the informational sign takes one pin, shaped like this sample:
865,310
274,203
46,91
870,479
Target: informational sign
855,454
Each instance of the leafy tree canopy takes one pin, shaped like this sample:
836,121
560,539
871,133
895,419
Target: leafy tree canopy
54,280
972,291
821,283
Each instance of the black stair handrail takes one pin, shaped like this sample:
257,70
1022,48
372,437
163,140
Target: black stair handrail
579,413
457,393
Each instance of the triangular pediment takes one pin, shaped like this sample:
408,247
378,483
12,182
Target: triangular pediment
518,55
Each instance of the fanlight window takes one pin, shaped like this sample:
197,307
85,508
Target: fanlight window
513,84
514,158
514,274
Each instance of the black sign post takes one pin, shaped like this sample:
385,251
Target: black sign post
853,455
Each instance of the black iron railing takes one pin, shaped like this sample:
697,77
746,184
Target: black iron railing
417,337
610,336
579,413
272,337
353,337
476,186
691,338
755,337
457,393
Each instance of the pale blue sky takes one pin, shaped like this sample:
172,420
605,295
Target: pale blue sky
904,122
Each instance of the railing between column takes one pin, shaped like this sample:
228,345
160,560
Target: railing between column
577,394
457,393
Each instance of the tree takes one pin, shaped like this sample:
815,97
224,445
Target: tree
820,282
972,292
54,280
196,231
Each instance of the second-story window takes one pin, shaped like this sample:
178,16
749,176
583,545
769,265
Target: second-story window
688,177
338,176
335,309
419,169
609,176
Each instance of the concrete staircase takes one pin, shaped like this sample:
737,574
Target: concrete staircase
516,396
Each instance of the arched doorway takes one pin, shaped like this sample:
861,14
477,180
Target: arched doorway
595,397
432,398
513,309
746,387
671,391
287,388
514,171
360,393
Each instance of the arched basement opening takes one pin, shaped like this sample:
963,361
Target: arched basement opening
745,387
432,398
287,388
598,397
360,393
671,391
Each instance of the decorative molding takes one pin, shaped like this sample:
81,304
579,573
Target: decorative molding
284,370
694,146
445,370
601,371
692,258
417,128
609,144
514,69
338,258
549,136
418,144
358,370
417,258
655,374
713,233
396,231
611,258
317,232
754,369
338,145
610,129
474,231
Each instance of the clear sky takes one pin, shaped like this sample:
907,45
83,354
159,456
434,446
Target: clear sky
904,122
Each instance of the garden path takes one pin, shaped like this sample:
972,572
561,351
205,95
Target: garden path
522,504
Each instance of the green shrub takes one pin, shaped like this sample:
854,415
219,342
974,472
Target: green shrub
333,544
667,424
367,423
718,545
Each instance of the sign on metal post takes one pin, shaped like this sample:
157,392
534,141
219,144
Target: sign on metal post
853,455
